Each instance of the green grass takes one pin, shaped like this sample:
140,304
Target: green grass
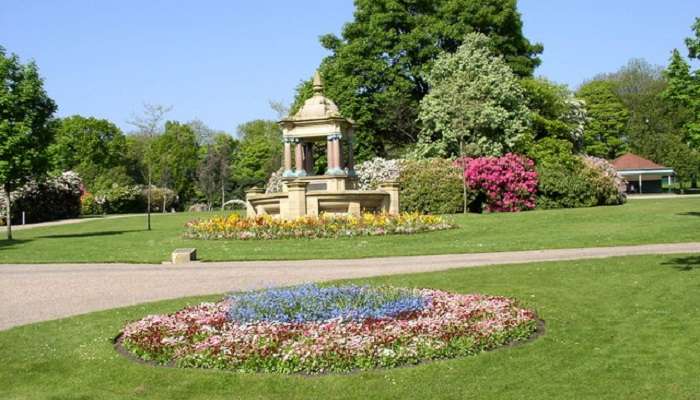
126,240
620,328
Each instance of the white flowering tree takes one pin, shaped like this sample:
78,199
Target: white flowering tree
474,99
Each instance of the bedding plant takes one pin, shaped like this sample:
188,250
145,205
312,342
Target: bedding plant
235,226
312,329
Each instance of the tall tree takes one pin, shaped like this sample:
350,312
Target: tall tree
214,169
475,99
376,72
26,113
148,127
605,134
259,153
174,156
554,112
683,90
92,147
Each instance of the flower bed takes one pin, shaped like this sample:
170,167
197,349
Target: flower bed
310,329
235,226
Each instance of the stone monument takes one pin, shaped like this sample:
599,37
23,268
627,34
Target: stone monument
335,191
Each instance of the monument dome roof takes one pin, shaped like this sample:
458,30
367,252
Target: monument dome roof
318,106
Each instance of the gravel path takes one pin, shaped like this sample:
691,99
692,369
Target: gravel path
33,293
67,222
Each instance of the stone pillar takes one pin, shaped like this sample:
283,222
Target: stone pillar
351,156
338,155
354,209
288,158
392,204
299,154
251,194
297,199
334,156
329,154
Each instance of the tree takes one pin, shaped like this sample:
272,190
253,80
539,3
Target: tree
148,126
605,133
173,157
92,147
554,112
376,72
259,153
205,135
683,90
474,99
26,130
214,169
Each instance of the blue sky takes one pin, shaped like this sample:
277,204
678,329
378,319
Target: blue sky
222,61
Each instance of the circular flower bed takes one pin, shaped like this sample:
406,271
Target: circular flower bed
235,226
312,329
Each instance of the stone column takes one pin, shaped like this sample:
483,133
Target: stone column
391,205
329,155
334,155
288,158
299,153
297,199
338,154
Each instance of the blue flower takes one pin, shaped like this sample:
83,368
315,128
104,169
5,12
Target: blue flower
307,303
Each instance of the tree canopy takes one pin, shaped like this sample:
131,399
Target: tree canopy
174,156
92,147
378,66
26,113
605,133
475,99
259,152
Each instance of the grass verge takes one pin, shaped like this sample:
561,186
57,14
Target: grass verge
126,240
616,328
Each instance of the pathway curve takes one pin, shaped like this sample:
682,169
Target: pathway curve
39,292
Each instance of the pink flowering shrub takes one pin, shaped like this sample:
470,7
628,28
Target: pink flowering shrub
440,325
505,184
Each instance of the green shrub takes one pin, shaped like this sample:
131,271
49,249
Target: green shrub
583,183
162,199
122,200
432,186
561,186
89,205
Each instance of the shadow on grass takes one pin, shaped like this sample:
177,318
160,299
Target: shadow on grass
685,263
691,214
8,244
86,234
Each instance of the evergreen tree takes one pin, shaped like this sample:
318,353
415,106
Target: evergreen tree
605,133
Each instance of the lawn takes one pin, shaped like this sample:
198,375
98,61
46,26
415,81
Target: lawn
126,240
615,328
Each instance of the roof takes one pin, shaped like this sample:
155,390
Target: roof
631,161
318,106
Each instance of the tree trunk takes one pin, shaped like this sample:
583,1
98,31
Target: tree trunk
223,195
148,200
165,196
9,213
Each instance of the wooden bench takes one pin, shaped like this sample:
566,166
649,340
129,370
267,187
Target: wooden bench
183,256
